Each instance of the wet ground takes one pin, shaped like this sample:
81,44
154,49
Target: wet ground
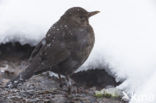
44,88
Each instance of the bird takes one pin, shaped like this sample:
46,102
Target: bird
66,46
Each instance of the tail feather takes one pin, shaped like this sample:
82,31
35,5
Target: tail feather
22,77
36,67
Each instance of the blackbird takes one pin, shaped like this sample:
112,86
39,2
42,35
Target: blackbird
64,49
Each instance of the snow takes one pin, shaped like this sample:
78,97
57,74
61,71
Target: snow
125,33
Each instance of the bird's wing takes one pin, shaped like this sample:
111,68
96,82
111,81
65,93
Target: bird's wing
36,49
53,48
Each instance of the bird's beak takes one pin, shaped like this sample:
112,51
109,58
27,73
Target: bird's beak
93,13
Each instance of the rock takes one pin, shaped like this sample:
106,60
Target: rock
45,89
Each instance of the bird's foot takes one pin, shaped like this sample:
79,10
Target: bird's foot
70,87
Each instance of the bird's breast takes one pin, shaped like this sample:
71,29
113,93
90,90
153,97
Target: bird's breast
82,42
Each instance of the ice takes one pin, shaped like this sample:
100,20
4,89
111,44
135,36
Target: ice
125,32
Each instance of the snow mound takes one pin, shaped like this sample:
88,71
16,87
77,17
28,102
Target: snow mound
125,36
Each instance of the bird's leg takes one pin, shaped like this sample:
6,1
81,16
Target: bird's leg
69,83
60,80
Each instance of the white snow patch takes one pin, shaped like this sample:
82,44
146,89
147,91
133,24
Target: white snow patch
125,33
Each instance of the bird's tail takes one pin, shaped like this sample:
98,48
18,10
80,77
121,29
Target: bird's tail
24,75
36,67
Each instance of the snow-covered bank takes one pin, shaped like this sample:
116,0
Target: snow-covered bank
125,36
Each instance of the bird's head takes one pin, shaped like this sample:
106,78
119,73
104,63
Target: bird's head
78,15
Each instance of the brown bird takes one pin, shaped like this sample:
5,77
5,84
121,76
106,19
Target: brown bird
65,48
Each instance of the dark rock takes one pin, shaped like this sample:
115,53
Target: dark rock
44,89
98,78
